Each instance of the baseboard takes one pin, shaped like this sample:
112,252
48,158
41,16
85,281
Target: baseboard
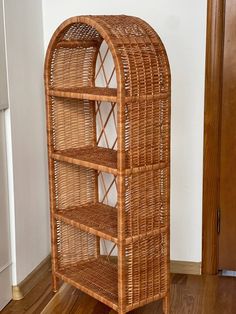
182,267
19,291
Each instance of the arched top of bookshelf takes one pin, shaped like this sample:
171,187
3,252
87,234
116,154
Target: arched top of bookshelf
140,60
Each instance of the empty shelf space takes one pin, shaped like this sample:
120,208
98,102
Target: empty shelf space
98,219
89,93
97,277
98,158
101,159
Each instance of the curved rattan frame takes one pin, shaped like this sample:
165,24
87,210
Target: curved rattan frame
143,153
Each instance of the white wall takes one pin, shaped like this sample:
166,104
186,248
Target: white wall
27,161
181,25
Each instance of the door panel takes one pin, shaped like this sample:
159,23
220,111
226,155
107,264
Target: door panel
3,71
227,245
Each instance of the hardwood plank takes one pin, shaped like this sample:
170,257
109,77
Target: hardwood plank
19,291
189,294
36,299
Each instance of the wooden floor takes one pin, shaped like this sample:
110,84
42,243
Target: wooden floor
189,295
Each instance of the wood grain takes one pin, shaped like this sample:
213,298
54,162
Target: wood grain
227,255
35,300
213,99
183,267
189,295
19,291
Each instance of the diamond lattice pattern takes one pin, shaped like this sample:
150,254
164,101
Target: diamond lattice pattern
106,122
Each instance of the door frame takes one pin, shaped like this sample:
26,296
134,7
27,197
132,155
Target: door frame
212,132
3,63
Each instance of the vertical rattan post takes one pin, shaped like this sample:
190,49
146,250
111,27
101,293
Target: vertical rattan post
51,176
95,143
166,300
52,199
80,216
121,195
96,177
166,305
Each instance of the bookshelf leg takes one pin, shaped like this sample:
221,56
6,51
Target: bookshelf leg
166,305
54,283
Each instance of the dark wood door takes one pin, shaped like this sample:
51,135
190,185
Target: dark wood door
227,237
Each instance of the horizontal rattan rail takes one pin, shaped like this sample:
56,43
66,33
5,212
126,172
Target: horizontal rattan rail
100,94
90,93
107,86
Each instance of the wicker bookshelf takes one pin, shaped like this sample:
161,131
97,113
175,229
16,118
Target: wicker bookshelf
108,146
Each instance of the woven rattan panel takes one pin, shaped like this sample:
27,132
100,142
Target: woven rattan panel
73,245
107,82
146,190
74,185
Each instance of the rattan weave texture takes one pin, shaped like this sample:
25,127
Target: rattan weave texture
88,164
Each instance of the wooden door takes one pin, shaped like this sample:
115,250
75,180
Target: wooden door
227,236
